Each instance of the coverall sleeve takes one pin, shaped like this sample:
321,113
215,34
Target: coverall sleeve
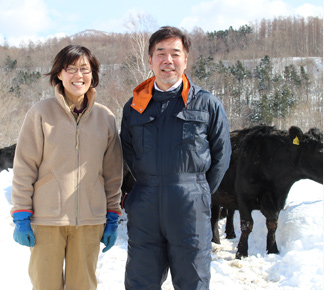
220,144
126,138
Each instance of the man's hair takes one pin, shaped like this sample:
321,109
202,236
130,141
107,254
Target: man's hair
70,55
167,32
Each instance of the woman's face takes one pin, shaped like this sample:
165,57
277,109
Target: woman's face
76,84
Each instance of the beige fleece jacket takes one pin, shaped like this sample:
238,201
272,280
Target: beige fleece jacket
67,173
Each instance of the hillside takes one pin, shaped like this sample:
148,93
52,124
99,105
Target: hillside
263,73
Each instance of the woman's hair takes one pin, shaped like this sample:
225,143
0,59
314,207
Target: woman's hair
70,55
167,32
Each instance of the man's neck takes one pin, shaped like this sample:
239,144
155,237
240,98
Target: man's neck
173,87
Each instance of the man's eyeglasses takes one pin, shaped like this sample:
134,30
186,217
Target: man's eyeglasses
74,70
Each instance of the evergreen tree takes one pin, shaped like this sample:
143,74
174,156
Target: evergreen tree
291,76
203,70
264,75
10,64
278,96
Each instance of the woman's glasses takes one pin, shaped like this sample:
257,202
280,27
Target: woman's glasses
74,70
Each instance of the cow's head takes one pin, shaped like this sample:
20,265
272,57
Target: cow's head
309,149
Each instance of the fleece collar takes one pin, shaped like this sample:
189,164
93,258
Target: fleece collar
91,97
143,93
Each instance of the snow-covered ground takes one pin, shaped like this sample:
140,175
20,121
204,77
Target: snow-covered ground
298,266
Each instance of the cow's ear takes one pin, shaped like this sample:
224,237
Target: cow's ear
295,135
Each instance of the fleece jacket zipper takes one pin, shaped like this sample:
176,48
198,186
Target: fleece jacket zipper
77,146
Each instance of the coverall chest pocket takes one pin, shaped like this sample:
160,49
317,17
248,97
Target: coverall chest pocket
194,129
142,134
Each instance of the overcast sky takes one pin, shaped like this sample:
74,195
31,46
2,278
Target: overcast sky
21,20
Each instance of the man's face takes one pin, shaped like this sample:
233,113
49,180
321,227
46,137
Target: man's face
168,62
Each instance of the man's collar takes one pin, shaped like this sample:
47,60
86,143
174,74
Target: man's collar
142,94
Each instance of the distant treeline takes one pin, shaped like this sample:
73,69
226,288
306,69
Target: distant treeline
269,71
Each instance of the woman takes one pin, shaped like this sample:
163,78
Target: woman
67,177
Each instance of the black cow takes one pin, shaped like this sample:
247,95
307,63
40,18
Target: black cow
265,163
6,157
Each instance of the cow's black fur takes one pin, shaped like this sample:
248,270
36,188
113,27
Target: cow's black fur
265,163
6,157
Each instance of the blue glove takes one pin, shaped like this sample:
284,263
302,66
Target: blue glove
23,233
110,233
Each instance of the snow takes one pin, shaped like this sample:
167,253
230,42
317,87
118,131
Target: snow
298,266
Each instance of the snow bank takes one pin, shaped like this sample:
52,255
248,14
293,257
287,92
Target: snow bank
298,266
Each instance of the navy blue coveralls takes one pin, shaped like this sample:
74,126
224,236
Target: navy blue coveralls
177,146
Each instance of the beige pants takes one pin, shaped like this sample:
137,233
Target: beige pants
77,246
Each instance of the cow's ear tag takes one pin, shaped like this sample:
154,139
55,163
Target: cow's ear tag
296,141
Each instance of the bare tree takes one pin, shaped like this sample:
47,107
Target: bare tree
140,27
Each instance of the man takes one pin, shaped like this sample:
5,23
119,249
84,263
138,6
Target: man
175,140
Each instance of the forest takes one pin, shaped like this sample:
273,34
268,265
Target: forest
265,72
